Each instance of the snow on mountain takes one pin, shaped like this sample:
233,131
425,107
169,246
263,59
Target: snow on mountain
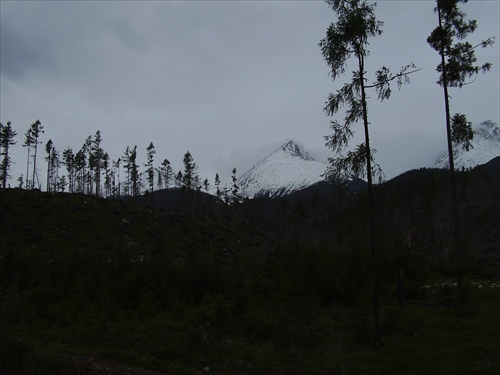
287,169
486,146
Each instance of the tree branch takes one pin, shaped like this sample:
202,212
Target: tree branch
378,84
485,43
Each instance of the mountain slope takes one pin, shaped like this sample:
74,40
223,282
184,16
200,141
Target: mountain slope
486,146
287,169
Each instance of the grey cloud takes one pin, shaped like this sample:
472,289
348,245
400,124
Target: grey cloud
230,81
21,55
126,32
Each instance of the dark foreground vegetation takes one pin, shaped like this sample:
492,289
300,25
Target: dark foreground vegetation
98,286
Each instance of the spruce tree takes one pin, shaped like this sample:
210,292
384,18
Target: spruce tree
55,163
128,168
108,174
48,149
346,38
150,165
456,67
1,131
134,172
116,175
28,141
190,177
167,172
87,164
96,154
217,186
35,130
7,136
80,163
178,180
69,162
235,197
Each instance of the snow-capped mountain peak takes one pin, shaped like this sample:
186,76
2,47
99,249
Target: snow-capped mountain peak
485,146
295,150
488,129
287,169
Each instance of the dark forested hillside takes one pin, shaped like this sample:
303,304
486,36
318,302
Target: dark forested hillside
262,287
412,212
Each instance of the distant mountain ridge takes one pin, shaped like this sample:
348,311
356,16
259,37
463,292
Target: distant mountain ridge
287,169
485,147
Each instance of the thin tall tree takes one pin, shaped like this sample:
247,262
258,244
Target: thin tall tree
55,163
28,141
7,136
457,66
69,162
116,173
346,38
190,177
48,149
128,168
36,130
96,154
150,152
1,130
134,172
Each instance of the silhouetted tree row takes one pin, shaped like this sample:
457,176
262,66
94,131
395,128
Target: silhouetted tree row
90,170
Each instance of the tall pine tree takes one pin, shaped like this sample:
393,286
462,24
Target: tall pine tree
35,131
345,39
150,152
7,136
456,67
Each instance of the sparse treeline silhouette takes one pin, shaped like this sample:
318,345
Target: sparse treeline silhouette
90,170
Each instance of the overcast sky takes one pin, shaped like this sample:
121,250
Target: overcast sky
227,80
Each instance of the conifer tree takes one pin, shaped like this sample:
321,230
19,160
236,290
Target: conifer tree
35,130
159,179
167,172
235,197
126,165
1,130
48,149
108,174
190,177
346,38
457,65
7,136
116,175
28,142
217,186
55,163
178,179
134,172
80,163
62,183
86,155
69,162
95,160
150,165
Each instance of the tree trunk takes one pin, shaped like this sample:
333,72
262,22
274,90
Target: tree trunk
454,203
377,334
